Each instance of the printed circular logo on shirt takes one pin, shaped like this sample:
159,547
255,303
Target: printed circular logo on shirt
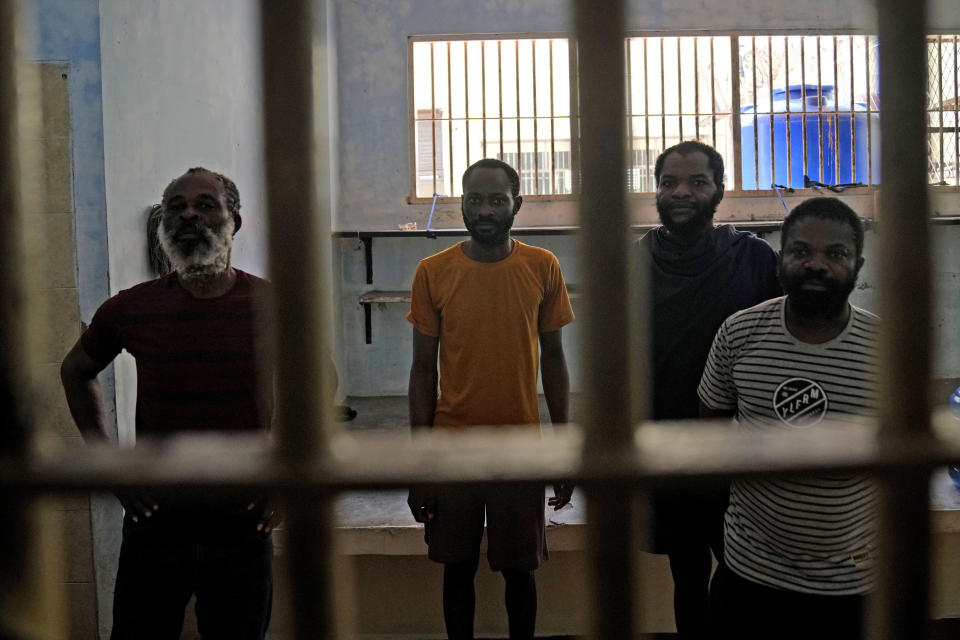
800,402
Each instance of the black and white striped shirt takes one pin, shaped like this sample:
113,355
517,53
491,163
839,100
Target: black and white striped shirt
816,533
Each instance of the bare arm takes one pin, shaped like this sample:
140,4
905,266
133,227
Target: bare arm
556,390
422,391
707,412
78,373
422,396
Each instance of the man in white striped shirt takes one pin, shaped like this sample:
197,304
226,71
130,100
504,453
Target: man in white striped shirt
798,551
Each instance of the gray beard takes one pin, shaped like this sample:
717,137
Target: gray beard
206,258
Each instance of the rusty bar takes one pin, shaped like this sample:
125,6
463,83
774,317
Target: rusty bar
483,93
713,95
822,173
516,78
903,588
298,258
836,118
853,120
803,103
603,218
646,116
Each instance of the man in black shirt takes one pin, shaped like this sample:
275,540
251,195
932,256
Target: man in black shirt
700,275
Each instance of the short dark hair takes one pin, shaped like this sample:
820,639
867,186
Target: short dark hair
824,208
690,146
229,189
493,163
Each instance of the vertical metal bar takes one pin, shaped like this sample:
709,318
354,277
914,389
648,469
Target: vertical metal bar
696,88
466,99
299,254
821,172
433,120
603,217
836,117
803,102
735,111
516,76
787,110
663,98
449,116
956,110
905,300
773,150
869,116
536,145
500,92
628,98
646,117
853,118
679,89
553,136
483,93
756,119
713,95
940,109
573,66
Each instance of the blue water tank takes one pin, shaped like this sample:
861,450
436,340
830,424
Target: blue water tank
834,133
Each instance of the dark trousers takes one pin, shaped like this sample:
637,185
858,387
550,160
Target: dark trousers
163,563
687,525
744,610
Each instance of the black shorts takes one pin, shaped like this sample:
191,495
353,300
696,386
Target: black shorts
516,527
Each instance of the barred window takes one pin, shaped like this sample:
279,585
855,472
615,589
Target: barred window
491,98
784,110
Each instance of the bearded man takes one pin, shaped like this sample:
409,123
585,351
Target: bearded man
799,551
484,306
192,333
699,275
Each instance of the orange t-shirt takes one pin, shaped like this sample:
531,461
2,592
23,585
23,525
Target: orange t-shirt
489,316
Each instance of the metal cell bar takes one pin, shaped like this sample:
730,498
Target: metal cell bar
905,300
483,93
663,99
628,98
603,216
679,89
536,142
756,119
836,118
500,91
803,103
646,117
433,121
298,259
786,88
696,89
735,112
450,117
956,110
553,137
466,101
516,76
853,115
773,149
940,109
866,50
821,172
713,94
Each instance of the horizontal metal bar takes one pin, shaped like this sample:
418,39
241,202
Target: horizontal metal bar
662,452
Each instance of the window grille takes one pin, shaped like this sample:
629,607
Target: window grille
678,88
498,98
943,109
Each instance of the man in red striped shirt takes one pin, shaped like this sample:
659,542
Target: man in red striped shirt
192,333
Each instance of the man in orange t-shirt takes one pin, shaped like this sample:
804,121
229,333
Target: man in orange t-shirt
489,306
